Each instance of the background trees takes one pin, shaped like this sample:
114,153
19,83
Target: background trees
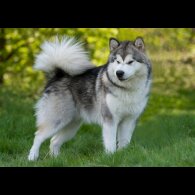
165,134
18,47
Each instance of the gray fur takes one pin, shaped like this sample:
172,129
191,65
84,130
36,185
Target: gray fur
88,97
129,47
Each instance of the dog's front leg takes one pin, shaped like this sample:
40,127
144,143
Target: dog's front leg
109,136
125,131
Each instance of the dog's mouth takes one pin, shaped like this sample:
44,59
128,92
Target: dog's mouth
127,79
123,79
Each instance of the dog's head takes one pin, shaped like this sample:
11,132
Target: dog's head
128,59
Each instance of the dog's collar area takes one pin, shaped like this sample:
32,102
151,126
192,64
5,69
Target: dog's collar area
114,82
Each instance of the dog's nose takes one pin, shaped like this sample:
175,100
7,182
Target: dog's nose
119,73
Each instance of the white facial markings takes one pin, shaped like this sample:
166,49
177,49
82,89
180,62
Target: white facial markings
128,58
119,59
129,66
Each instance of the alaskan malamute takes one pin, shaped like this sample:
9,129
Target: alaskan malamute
113,95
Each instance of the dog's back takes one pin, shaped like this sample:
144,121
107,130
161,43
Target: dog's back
77,91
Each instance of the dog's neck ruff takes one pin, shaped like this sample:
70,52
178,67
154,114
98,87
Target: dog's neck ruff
116,85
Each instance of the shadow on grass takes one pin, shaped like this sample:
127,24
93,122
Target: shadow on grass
88,140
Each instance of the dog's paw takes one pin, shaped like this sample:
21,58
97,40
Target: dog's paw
54,151
33,156
122,144
110,150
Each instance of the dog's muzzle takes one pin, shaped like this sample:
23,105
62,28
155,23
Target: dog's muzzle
120,74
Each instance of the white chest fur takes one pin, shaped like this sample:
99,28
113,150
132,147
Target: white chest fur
126,103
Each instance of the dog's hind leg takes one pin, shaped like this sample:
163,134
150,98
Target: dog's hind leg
44,132
54,112
63,136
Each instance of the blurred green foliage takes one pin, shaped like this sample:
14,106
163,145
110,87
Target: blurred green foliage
171,51
165,131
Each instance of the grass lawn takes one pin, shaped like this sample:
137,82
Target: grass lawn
164,136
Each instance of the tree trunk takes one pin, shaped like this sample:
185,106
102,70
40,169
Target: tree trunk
2,48
1,80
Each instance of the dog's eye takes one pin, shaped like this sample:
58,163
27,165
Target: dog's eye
139,60
113,59
118,62
130,62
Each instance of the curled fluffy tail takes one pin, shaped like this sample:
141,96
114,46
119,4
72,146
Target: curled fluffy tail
66,54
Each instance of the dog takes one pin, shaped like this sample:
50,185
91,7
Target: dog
112,95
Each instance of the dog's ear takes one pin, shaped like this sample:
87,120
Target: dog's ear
113,44
139,43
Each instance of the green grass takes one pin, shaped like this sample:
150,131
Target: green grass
164,136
